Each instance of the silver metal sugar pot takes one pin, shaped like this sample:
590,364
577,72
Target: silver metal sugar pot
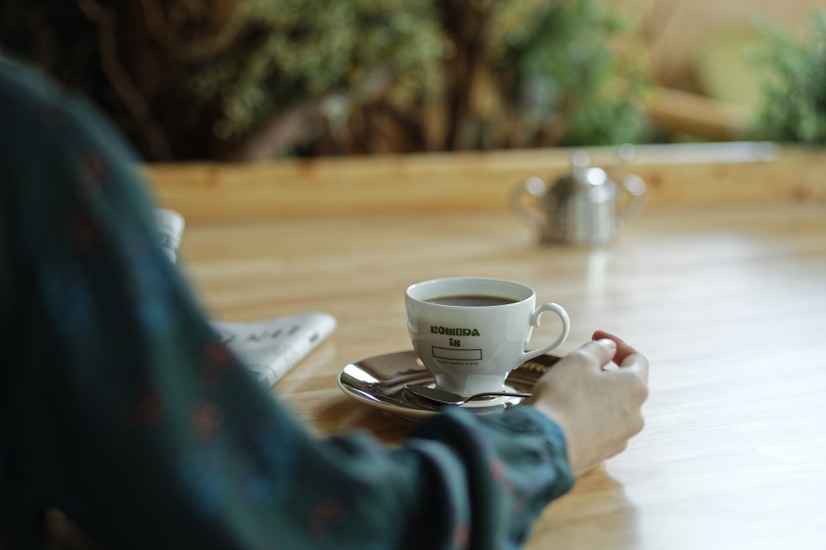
583,207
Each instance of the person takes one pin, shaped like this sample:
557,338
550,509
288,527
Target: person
120,407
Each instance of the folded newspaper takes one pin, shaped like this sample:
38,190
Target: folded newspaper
269,347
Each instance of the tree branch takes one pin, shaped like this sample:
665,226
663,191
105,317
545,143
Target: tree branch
122,83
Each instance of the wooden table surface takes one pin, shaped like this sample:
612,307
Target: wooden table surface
728,302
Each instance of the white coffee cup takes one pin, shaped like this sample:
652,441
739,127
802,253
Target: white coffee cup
471,332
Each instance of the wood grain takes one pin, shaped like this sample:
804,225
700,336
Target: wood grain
675,174
727,300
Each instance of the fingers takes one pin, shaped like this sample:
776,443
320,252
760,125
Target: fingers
626,356
633,367
636,363
597,352
623,349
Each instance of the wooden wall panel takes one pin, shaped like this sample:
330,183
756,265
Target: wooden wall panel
477,181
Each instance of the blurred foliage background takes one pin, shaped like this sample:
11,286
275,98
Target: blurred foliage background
793,109
257,79
246,80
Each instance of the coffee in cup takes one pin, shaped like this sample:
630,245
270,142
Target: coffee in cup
471,332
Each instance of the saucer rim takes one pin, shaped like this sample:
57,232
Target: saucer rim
410,412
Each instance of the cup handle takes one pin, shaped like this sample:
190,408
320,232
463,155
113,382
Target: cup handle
566,328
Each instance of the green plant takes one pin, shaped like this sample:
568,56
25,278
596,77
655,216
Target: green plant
793,106
289,51
255,79
574,70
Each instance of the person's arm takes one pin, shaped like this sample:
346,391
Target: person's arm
121,408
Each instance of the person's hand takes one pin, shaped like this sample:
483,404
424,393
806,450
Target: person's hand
595,395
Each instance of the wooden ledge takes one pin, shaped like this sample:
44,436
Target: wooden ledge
692,173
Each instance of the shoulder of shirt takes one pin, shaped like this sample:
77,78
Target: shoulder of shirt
24,90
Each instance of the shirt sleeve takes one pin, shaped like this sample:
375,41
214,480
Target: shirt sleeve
120,407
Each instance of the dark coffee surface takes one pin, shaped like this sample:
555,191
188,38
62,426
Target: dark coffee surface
471,300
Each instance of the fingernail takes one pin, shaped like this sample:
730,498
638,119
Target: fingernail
608,343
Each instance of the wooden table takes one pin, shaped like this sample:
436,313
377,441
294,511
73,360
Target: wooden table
728,301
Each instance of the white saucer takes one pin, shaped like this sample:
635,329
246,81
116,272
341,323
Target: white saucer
379,382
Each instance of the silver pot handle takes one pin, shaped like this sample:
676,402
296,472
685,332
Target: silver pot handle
636,190
525,199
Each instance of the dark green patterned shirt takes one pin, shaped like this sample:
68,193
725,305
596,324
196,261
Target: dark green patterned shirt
120,407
